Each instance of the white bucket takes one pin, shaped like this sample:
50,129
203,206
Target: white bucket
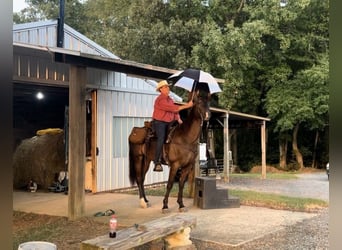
37,245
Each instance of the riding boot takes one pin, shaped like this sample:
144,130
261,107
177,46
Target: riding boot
158,167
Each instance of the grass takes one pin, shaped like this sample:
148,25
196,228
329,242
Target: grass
291,175
269,200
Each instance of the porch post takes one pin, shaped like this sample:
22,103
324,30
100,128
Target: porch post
263,150
226,161
77,142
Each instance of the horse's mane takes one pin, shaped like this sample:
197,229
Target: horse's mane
193,113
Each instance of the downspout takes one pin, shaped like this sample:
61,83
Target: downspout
60,25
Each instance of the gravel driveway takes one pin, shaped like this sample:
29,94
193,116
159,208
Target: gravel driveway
309,234
310,185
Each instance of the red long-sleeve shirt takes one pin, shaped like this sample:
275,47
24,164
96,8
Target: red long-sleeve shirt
165,109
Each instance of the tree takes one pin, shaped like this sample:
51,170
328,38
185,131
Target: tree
147,31
303,100
39,10
266,52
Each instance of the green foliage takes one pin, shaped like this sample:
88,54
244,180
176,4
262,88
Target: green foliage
147,31
49,10
304,99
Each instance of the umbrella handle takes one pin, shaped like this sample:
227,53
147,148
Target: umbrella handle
193,90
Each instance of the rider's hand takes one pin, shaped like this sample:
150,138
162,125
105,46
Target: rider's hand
180,121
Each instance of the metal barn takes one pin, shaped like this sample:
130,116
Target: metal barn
115,101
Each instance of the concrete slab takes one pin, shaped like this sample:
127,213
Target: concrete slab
224,226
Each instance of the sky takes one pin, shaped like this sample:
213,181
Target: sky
18,5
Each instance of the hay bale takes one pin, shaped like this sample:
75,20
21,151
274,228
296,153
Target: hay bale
50,131
39,159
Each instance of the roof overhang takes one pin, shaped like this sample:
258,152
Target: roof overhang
140,70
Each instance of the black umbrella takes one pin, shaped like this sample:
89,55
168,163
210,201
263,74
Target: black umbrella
191,78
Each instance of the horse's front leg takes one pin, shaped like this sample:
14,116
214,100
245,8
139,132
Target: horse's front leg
166,197
169,186
181,184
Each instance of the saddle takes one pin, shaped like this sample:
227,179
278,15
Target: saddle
144,135
141,135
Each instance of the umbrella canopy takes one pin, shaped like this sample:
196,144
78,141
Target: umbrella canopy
190,78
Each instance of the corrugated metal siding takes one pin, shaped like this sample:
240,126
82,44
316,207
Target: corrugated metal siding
118,81
37,68
117,113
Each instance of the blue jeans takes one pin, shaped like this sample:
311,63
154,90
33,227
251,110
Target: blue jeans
160,128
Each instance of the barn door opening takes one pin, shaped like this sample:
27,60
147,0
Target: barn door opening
91,139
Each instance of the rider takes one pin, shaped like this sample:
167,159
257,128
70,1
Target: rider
165,112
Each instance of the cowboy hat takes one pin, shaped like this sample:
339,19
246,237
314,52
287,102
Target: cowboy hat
162,84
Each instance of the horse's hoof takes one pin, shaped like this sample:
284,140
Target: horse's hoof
143,204
183,209
165,211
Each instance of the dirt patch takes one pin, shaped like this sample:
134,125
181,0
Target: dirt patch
269,169
58,230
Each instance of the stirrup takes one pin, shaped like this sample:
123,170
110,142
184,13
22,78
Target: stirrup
158,168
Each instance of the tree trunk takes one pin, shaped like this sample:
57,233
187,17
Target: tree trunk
282,153
295,149
314,164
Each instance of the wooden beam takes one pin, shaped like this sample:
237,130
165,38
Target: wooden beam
135,236
77,141
263,150
226,149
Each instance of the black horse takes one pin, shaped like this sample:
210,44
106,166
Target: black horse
181,152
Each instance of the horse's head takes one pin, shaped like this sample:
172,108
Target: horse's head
201,100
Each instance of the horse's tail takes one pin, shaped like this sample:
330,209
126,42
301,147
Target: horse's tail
132,171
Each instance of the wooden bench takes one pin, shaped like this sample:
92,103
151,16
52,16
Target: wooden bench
173,229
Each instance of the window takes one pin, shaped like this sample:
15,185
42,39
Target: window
122,127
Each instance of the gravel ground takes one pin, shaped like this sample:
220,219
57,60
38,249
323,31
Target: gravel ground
309,234
309,185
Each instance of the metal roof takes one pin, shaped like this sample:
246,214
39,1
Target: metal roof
43,33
